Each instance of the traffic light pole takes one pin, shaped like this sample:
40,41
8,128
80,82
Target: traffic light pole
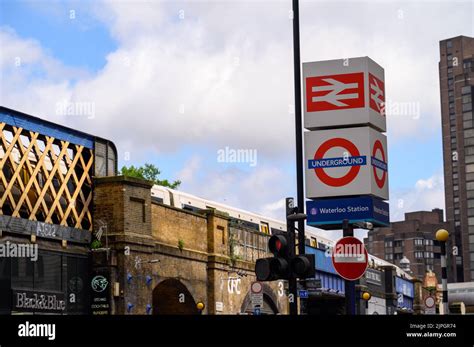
349,286
292,283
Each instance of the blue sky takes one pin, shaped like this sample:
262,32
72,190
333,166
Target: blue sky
174,82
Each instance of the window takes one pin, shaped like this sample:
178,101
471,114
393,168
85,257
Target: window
455,187
450,82
388,244
398,243
451,105
449,44
418,242
428,255
428,242
466,99
470,185
468,133
419,255
450,57
470,168
470,221
467,107
466,90
469,159
456,199
467,116
467,124
450,93
313,242
264,228
389,257
453,129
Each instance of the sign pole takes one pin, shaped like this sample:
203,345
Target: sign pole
298,125
349,286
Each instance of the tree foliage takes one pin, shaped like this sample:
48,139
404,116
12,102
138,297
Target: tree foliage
149,172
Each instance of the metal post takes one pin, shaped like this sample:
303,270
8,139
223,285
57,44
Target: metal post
298,126
444,278
349,286
292,284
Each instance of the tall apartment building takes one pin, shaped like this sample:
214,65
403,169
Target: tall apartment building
456,75
413,238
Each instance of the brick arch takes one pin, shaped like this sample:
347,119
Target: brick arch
269,297
166,298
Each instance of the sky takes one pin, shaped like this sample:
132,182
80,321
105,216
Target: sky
175,83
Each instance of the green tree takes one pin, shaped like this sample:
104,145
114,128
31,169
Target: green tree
148,172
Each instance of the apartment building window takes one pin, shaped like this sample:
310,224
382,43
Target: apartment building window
455,187
428,255
398,243
450,57
389,256
466,98
418,242
467,116
467,107
470,221
419,255
450,82
449,44
451,93
456,200
428,242
451,105
466,90
388,244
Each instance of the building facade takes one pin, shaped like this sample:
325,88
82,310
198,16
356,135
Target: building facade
46,221
413,238
456,76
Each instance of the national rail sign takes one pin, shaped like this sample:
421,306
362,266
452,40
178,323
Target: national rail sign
344,92
329,213
350,258
346,162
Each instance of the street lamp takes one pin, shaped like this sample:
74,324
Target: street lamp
442,236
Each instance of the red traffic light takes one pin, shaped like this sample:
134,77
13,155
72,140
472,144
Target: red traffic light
278,244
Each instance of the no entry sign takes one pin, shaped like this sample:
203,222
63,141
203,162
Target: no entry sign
350,258
341,162
344,92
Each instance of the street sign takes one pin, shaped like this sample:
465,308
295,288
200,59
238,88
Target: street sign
341,162
257,311
430,305
303,294
344,92
350,258
329,213
256,294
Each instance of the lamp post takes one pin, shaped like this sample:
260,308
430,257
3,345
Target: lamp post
442,236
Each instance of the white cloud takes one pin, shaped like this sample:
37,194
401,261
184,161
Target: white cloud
426,195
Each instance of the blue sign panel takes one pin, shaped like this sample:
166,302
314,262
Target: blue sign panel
404,287
303,294
329,213
323,260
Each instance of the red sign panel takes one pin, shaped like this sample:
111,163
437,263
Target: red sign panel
335,92
377,94
350,258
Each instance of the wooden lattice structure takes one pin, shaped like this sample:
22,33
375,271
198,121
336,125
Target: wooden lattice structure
45,178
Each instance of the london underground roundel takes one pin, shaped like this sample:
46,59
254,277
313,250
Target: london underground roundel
379,164
353,160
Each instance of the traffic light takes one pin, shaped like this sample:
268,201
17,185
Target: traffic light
278,267
303,266
283,264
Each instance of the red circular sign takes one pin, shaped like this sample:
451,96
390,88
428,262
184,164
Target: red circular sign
380,181
348,177
350,258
